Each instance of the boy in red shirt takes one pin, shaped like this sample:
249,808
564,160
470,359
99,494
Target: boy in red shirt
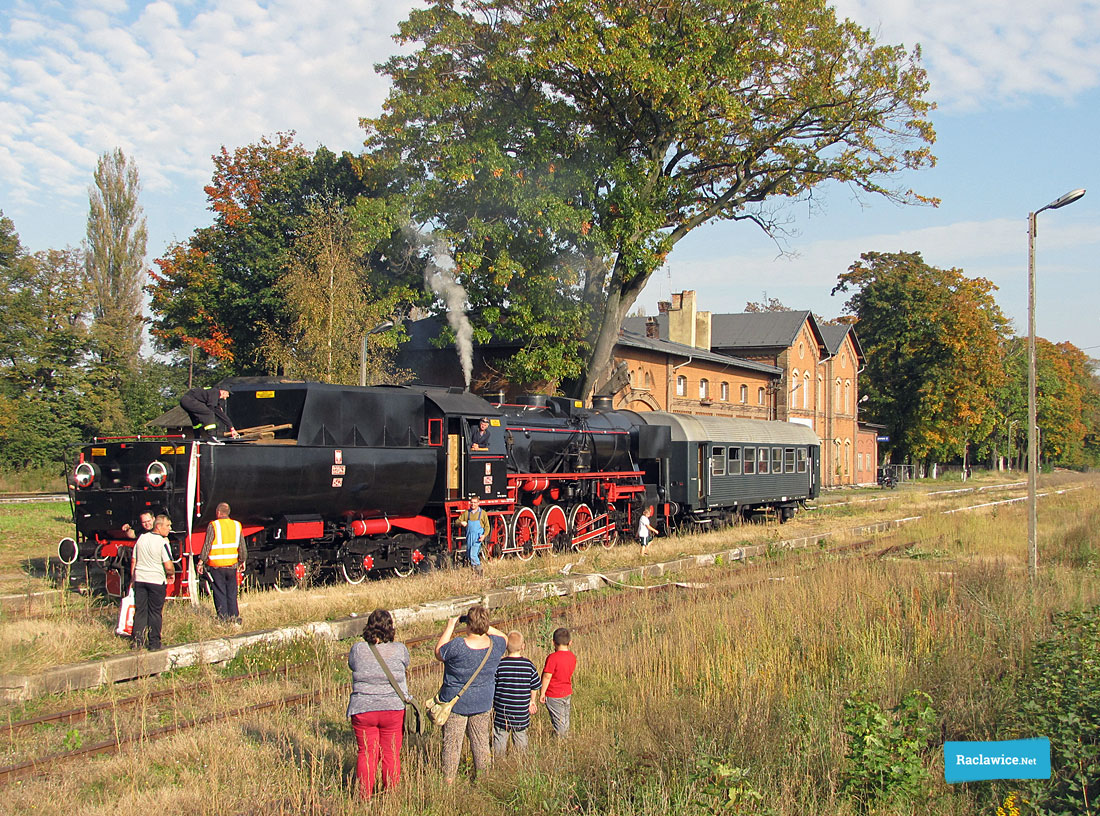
557,682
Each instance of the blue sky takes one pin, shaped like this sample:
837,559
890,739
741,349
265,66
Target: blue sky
1017,83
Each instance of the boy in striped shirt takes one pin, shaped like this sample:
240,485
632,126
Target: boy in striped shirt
517,685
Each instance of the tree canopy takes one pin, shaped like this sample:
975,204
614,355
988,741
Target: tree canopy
225,289
566,147
932,339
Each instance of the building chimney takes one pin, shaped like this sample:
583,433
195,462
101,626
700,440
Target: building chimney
663,306
652,328
702,330
681,318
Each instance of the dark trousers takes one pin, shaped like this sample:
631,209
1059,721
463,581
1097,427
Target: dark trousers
202,417
224,580
148,613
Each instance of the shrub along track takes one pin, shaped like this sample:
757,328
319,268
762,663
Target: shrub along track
163,704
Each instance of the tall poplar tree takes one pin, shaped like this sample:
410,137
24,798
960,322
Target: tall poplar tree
115,263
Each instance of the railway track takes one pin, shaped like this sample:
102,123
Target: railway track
22,498
604,610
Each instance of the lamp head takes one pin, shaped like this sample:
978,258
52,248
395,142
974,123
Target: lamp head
1068,198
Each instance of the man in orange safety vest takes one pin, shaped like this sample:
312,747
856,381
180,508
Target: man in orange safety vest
222,553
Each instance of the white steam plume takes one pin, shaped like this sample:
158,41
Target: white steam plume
439,277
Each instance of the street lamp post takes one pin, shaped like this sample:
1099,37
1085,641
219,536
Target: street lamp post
385,325
1032,448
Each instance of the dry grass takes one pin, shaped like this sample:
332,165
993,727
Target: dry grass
79,629
754,678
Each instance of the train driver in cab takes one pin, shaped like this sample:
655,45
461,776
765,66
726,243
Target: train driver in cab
479,436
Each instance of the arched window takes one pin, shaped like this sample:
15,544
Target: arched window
836,396
681,385
648,380
725,392
744,394
795,383
847,456
630,377
760,396
806,390
847,396
704,388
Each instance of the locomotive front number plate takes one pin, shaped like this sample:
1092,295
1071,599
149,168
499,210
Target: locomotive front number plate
265,395
99,451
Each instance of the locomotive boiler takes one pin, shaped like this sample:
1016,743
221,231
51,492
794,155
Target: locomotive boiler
370,481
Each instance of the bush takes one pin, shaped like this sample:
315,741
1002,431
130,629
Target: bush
1059,698
884,761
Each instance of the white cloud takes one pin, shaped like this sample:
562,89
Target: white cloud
983,52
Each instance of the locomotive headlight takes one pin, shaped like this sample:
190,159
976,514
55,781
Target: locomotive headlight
156,474
84,474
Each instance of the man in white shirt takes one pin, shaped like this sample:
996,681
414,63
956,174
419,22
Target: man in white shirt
150,569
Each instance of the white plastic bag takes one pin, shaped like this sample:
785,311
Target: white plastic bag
126,615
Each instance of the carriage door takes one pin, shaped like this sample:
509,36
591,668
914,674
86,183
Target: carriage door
704,472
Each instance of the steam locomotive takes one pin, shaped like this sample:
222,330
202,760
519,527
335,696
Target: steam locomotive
361,481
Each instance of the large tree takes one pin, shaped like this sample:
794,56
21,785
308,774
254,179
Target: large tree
115,262
566,146
932,339
222,290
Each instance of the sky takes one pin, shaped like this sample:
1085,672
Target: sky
1016,83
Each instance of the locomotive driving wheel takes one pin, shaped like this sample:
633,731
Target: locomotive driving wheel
496,542
525,533
580,523
554,527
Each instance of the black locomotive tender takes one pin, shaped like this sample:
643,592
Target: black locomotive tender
366,481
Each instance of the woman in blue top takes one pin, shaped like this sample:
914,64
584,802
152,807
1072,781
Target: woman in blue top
471,715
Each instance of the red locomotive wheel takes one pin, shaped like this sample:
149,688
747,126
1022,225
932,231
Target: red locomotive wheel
525,533
580,523
496,543
554,527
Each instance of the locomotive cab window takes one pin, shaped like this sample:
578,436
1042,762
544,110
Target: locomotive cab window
762,462
734,468
788,460
800,455
485,435
718,462
750,461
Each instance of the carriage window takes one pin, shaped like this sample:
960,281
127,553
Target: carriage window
788,460
750,461
762,461
777,460
735,462
803,464
718,462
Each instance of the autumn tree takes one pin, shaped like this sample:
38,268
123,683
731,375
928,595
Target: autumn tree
1068,398
932,342
219,291
331,302
566,147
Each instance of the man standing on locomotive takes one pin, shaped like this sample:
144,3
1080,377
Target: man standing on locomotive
222,552
206,406
476,522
